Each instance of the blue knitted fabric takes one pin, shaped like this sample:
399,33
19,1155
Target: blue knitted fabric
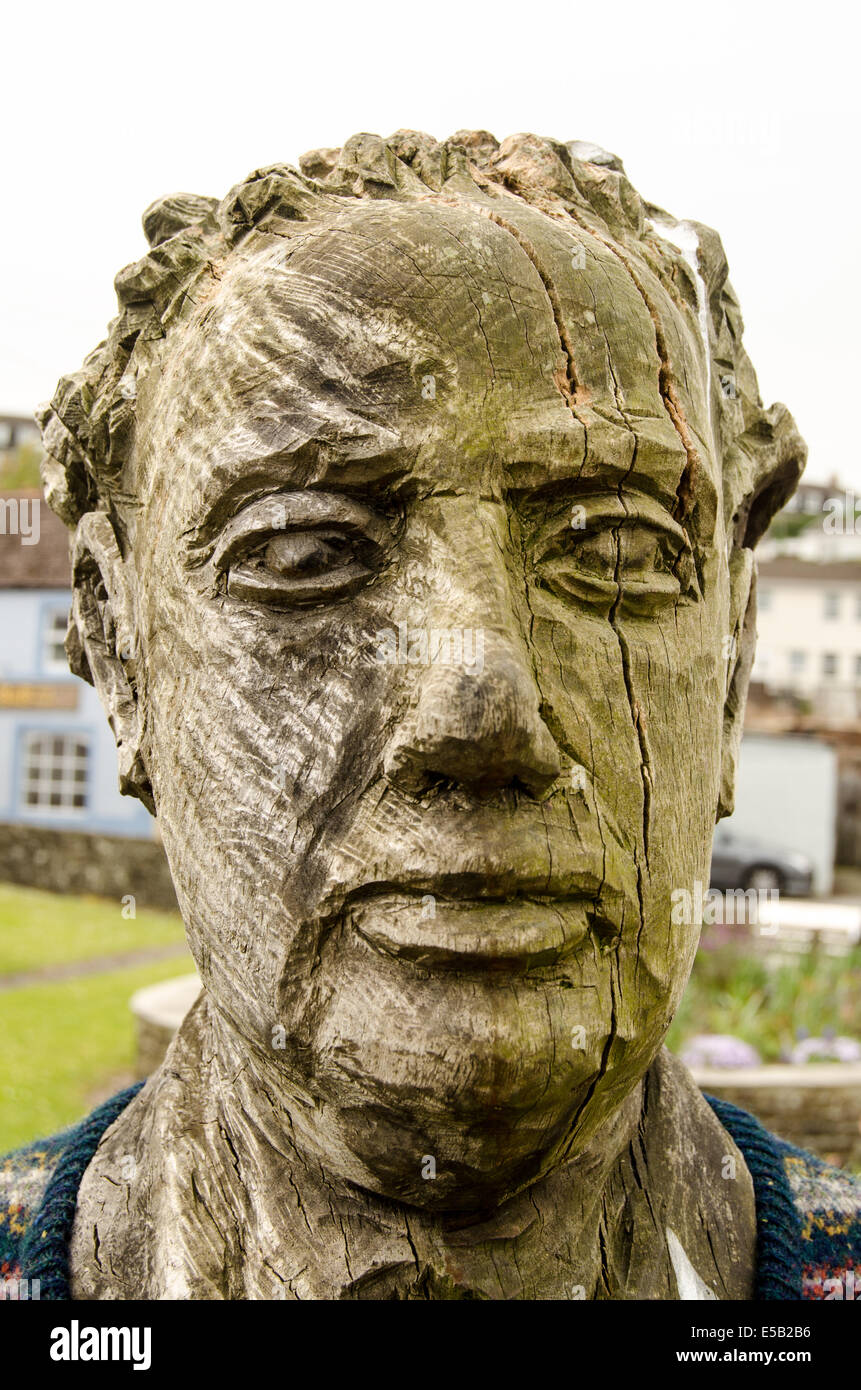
778,1223
44,1250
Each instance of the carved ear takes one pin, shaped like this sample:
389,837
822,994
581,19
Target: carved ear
739,649
102,643
761,469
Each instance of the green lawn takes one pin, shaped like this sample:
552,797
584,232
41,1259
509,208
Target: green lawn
20,468
67,1044
40,929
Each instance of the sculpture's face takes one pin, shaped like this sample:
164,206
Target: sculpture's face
433,893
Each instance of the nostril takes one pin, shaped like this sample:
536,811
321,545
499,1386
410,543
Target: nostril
409,773
480,730
486,765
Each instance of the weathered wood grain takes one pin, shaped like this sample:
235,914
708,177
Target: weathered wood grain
415,495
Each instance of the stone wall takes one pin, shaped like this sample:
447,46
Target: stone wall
158,1011
816,1107
73,861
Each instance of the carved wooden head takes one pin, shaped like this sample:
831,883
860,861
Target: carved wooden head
415,500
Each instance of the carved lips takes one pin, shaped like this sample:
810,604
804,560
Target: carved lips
471,932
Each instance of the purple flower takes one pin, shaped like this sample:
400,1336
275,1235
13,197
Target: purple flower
718,1050
826,1049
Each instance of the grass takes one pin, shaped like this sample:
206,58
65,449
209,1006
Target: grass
41,929
66,1044
766,1006
20,468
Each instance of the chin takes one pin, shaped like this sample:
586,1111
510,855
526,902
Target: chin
445,1165
429,1085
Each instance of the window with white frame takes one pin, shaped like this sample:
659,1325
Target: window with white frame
797,660
829,663
55,772
832,605
54,624
763,600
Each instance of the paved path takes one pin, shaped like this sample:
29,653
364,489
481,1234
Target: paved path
94,965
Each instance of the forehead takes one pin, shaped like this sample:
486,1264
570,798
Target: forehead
428,336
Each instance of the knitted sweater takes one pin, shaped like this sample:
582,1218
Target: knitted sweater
808,1214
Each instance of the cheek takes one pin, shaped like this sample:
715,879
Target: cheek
259,742
679,675
640,705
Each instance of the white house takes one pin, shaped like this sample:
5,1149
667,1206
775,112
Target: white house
809,499
58,763
16,430
809,632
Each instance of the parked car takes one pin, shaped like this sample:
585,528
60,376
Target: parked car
740,861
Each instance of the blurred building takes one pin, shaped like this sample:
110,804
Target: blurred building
16,430
809,499
58,765
809,633
821,521
787,797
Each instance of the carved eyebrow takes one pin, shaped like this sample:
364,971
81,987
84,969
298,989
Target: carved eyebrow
608,508
658,505
600,491
546,462
235,475
292,432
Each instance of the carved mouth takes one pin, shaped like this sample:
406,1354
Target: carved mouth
458,934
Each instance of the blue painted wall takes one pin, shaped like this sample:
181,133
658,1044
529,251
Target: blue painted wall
24,618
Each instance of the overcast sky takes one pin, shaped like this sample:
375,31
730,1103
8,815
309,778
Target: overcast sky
740,115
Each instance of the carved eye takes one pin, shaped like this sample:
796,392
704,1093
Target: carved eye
271,554
306,552
640,562
302,567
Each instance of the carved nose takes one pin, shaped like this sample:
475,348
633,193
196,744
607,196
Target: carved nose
483,730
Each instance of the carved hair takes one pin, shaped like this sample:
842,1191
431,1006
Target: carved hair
88,428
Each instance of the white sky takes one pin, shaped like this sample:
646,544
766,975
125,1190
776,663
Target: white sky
740,115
